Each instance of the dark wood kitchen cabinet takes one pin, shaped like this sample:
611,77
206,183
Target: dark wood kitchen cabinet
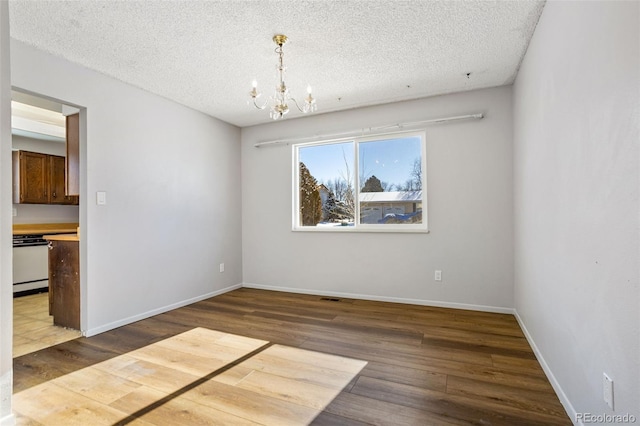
57,189
73,155
39,179
30,177
64,283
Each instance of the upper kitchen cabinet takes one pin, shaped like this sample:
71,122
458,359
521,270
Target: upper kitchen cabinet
39,179
57,187
30,177
73,155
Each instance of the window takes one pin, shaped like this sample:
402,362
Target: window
361,184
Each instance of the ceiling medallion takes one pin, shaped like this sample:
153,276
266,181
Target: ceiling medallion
279,100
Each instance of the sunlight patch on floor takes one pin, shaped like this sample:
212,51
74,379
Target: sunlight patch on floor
201,376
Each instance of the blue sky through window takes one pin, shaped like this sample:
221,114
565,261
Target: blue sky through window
327,162
390,160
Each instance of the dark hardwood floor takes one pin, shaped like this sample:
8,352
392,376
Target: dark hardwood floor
426,365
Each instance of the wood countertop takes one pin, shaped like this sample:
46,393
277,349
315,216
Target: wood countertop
62,237
44,228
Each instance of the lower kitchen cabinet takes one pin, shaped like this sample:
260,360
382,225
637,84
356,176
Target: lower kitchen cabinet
64,283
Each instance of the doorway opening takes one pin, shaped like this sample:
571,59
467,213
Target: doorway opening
46,202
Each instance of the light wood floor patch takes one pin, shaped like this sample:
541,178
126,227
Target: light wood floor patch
317,374
247,405
312,379
51,404
179,411
277,386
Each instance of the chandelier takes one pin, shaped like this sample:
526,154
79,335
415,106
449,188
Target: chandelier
281,97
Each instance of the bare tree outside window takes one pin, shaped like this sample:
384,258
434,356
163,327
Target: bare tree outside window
416,174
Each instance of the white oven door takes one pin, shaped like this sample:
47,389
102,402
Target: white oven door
30,267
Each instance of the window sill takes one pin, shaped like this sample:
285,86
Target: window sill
362,229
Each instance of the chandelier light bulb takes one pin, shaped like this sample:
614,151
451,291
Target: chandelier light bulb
254,92
279,101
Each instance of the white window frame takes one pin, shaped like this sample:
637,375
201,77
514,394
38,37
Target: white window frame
359,227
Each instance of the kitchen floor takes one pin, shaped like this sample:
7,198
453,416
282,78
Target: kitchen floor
33,327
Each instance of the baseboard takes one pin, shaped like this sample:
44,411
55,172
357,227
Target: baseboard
422,302
9,420
571,412
101,329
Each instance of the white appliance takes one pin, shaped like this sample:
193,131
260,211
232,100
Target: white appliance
30,264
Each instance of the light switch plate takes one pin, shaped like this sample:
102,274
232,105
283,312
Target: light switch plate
101,198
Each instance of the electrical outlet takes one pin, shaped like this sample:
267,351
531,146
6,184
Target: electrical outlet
607,389
222,267
438,276
14,212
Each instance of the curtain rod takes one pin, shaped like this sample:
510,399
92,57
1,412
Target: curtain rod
370,129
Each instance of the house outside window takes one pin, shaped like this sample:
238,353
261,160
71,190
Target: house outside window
370,184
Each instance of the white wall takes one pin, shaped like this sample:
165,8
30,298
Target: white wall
42,213
38,145
576,109
6,291
469,192
173,193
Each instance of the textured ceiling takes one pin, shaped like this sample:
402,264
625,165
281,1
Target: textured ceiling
204,54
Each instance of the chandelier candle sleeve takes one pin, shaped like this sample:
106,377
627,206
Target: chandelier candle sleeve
281,98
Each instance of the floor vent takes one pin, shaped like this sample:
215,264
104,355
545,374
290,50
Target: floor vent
330,299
